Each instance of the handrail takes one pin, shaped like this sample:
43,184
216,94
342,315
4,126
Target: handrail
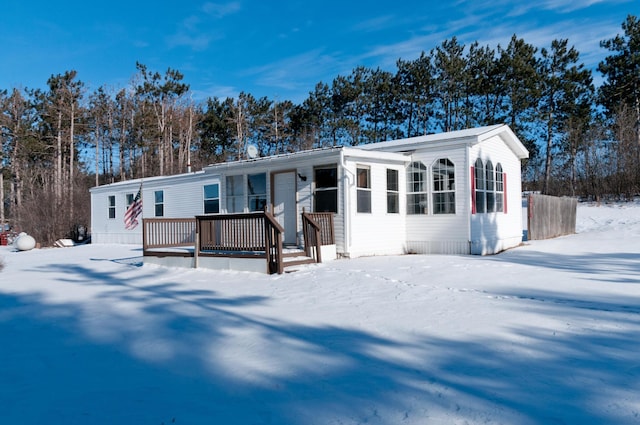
273,237
325,221
311,236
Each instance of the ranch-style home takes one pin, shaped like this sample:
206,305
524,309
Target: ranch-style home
451,193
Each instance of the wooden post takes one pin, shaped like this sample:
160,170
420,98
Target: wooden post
196,248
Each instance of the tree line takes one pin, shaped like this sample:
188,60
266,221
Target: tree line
583,140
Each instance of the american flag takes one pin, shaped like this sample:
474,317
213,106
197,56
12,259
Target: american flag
134,210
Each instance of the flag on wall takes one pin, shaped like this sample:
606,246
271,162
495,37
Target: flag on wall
134,210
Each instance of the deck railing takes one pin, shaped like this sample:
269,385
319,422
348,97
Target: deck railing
232,232
168,232
241,235
248,235
324,220
317,230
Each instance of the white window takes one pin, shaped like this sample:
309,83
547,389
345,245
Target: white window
479,176
363,177
212,199
112,206
444,187
159,203
325,192
490,188
393,192
417,188
257,191
235,194
499,188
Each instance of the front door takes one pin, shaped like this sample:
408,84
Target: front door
284,205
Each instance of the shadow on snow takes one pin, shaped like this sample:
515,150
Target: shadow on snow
160,354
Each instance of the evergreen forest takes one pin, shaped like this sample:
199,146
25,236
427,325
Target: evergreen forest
583,137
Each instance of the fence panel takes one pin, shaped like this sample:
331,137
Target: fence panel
550,216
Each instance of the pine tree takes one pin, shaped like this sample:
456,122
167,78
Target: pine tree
565,93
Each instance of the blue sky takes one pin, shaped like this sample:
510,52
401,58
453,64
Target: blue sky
274,49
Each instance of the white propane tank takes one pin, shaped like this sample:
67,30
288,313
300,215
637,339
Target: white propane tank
24,242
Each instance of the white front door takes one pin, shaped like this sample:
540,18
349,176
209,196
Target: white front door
284,205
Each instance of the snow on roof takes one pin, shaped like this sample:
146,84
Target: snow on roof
469,135
322,152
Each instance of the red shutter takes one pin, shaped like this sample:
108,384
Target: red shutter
473,190
504,191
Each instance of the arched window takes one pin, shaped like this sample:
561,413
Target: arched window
444,187
490,187
417,188
499,188
480,199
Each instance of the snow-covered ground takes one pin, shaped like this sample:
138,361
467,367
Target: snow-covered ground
548,333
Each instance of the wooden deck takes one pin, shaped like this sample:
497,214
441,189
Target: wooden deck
239,238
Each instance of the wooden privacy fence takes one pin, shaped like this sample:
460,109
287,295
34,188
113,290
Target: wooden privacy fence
550,216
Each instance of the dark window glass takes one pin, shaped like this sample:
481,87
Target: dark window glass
257,191
211,199
364,190
444,187
112,206
159,204
325,194
417,202
393,195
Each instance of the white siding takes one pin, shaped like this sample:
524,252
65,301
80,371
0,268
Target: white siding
442,233
304,168
497,231
111,230
305,198
357,234
183,197
375,233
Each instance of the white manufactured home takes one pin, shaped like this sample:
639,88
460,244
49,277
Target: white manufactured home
450,193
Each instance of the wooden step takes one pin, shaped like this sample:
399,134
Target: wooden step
306,260
293,253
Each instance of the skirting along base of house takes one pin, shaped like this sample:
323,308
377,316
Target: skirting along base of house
438,247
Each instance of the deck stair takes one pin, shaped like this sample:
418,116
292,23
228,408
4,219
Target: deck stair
236,240
296,257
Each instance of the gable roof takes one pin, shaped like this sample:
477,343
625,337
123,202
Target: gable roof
470,136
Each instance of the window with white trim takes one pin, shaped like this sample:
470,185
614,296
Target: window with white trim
444,187
490,188
499,188
363,180
480,199
211,198
393,192
257,191
235,194
325,191
159,203
112,206
417,188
